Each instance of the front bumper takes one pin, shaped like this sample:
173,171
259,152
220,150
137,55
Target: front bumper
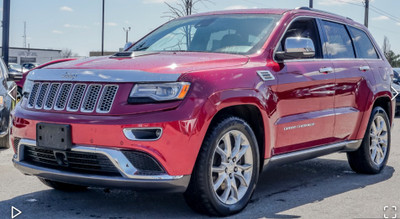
128,178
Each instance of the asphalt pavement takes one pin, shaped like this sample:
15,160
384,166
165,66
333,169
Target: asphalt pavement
324,187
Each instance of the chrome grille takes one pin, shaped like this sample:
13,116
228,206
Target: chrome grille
92,94
62,96
76,97
51,96
72,97
107,98
41,95
32,97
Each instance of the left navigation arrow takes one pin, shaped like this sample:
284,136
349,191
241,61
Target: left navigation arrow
9,93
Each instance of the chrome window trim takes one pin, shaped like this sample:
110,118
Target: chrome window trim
332,60
117,158
327,19
129,135
97,75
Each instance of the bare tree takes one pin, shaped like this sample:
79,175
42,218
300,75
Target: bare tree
67,53
386,45
393,58
181,9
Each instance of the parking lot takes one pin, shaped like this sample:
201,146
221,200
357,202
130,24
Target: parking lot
320,188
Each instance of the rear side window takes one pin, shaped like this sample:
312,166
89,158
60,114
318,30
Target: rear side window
363,44
338,43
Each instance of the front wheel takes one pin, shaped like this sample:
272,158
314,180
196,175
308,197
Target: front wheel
373,153
226,171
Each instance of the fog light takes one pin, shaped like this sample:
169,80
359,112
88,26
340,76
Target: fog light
143,134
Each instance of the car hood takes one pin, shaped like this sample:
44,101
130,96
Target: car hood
161,62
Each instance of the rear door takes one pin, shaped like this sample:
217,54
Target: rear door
305,95
351,71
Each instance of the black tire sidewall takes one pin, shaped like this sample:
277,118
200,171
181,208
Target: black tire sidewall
226,126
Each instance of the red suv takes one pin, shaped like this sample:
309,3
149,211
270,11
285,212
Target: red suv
204,103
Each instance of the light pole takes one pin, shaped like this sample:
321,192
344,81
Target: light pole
311,4
102,32
6,30
127,33
366,13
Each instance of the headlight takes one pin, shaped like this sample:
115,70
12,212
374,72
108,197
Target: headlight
147,93
27,87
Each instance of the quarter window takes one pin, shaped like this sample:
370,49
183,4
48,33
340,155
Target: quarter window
338,43
363,44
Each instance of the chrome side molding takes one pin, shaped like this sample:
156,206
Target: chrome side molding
306,154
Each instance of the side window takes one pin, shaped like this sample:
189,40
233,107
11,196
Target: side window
363,44
338,43
306,28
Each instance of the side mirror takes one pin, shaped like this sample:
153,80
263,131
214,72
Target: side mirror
127,45
297,48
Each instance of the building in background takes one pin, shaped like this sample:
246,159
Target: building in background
32,55
98,53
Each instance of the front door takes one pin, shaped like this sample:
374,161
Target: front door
305,93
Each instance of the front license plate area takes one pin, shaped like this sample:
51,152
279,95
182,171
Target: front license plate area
53,136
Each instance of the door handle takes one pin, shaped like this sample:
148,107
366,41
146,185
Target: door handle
326,70
364,68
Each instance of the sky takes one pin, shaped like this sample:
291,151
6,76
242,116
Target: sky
76,24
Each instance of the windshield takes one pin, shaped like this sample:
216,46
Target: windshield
236,34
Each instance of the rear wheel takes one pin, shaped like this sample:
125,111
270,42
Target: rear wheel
226,170
373,153
62,186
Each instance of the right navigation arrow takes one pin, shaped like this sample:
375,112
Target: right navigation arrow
15,212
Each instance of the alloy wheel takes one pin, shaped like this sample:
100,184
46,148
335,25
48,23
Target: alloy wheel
232,167
378,140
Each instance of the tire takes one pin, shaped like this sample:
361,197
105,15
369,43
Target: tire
4,143
62,186
373,153
234,180
19,94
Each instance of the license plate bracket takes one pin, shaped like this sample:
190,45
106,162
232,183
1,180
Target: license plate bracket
53,136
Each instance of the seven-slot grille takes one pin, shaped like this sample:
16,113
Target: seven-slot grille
72,97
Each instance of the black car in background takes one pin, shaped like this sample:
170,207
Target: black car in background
7,102
30,66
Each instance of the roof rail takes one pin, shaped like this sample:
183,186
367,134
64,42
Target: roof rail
317,10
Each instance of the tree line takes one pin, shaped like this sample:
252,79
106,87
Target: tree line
392,57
